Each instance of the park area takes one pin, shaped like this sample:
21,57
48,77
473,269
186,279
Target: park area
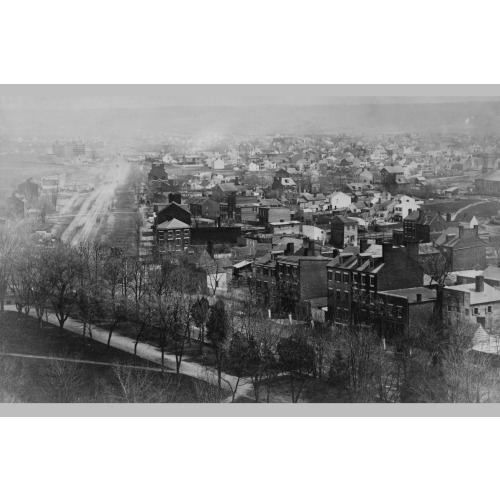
50,365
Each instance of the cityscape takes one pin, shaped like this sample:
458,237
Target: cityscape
342,252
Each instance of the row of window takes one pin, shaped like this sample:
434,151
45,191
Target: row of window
357,278
475,310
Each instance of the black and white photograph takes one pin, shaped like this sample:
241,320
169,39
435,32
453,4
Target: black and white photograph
267,249
249,249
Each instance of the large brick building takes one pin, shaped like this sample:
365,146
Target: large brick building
462,248
284,281
172,211
354,281
172,235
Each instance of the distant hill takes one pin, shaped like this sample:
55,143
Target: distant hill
472,117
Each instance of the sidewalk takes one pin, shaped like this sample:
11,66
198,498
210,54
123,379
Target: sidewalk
151,353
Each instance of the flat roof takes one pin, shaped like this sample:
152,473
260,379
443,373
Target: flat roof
428,294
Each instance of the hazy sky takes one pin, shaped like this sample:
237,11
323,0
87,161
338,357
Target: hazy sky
130,102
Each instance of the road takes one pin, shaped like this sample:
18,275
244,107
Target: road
98,202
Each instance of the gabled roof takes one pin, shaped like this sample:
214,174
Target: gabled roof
183,207
341,219
173,224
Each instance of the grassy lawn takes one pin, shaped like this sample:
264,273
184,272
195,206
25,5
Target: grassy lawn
40,380
486,209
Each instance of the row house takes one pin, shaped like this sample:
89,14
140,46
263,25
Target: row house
284,281
354,281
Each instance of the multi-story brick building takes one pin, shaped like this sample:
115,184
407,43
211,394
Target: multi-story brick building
285,281
344,231
355,280
173,235
463,249
273,214
172,211
419,226
475,302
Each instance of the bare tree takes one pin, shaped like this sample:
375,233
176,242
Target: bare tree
297,360
64,268
9,243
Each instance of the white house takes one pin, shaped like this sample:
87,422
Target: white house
314,233
219,164
339,200
403,209
253,167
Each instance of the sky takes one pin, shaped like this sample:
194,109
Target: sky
136,101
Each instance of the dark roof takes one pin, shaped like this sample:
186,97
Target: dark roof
341,219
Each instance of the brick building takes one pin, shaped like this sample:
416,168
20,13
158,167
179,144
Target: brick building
344,231
173,235
172,211
475,302
355,280
463,248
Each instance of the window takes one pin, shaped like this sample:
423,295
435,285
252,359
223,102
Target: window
338,277
346,295
354,277
259,270
489,309
265,271
466,312
346,277
186,232
329,275
178,242
337,296
372,280
475,311
399,311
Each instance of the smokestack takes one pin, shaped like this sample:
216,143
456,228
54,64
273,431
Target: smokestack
480,283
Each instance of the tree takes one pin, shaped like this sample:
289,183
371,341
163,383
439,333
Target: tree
9,243
218,333
63,270
199,312
297,360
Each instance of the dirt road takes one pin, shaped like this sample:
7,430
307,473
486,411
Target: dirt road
98,203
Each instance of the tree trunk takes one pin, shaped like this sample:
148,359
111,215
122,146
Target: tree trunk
109,336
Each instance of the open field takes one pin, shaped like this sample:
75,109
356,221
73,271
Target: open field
42,380
486,209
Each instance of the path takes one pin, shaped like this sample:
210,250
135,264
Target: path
151,353
463,209
73,360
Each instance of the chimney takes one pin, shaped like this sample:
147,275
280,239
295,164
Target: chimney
363,245
448,217
450,236
480,283
460,231
419,297
210,248
312,248
290,249
218,221
386,250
